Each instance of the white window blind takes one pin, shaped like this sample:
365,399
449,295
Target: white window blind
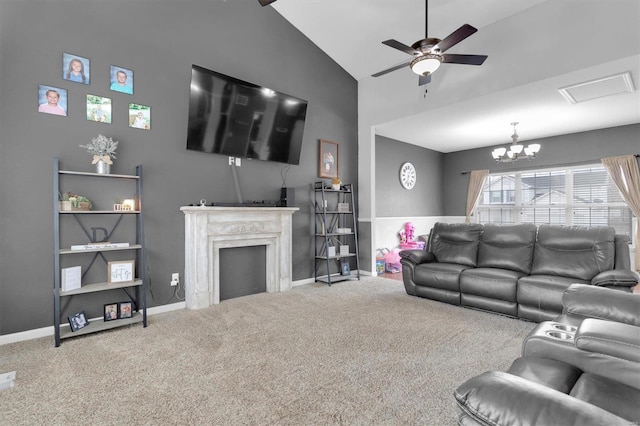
583,195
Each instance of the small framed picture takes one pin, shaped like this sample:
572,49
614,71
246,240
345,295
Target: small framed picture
76,68
52,100
98,109
328,159
124,310
121,80
78,321
345,269
140,116
343,207
110,311
120,271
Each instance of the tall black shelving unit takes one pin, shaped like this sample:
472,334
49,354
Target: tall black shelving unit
335,226
135,289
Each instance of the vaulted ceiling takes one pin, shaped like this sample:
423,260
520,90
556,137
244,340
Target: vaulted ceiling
534,48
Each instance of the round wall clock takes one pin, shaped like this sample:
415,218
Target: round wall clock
408,176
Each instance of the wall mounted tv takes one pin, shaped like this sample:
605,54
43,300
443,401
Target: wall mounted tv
232,117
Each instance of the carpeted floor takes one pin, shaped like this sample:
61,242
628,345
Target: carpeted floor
355,353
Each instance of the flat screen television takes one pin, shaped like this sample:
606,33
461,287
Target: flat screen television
235,118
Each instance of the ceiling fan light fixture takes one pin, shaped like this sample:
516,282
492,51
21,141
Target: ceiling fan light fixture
425,64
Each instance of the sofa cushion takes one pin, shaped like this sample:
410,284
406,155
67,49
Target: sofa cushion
490,282
612,396
573,251
584,301
544,291
507,247
456,243
553,374
439,275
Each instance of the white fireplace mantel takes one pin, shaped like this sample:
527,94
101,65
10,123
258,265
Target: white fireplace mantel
209,229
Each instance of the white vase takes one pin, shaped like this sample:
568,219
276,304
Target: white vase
103,168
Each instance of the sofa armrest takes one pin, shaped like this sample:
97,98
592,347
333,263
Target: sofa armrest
609,338
496,398
597,302
616,277
417,256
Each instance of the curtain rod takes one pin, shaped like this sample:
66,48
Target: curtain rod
466,172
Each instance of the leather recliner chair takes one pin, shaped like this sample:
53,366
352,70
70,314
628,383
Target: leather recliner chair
583,368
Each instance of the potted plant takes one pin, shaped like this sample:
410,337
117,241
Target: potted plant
64,202
104,151
335,183
69,201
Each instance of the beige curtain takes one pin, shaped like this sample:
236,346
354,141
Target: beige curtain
476,182
625,174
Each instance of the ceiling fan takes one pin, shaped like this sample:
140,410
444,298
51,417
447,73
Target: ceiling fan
428,53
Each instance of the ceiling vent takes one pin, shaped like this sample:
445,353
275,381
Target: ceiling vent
601,87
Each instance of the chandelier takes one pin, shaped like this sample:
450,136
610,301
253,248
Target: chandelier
516,151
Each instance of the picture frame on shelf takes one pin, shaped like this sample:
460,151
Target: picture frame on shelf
345,269
125,309
328,159
78,321
120,271
110,311
343,207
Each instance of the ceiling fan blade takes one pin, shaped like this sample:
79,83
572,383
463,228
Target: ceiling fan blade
456,37
265,2
397,67
424,79
403,47
464,59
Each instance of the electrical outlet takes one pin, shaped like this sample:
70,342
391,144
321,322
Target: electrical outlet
238,162
175,279
231,161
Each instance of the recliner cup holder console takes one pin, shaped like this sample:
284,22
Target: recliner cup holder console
564,327
560,335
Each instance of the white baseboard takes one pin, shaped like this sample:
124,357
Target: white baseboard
49,331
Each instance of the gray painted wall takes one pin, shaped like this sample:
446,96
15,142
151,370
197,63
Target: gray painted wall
426,197
159,40
576,148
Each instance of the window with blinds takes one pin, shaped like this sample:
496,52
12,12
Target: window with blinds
583,195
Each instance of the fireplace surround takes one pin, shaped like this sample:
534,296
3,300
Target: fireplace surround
210,229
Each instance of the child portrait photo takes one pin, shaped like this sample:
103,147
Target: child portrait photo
75,68
98,109
121,80
52,100
139,116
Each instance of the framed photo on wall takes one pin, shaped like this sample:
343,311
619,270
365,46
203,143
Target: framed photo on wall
120,271
328,159
52,100
76,68
139,116
99,109
121,80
